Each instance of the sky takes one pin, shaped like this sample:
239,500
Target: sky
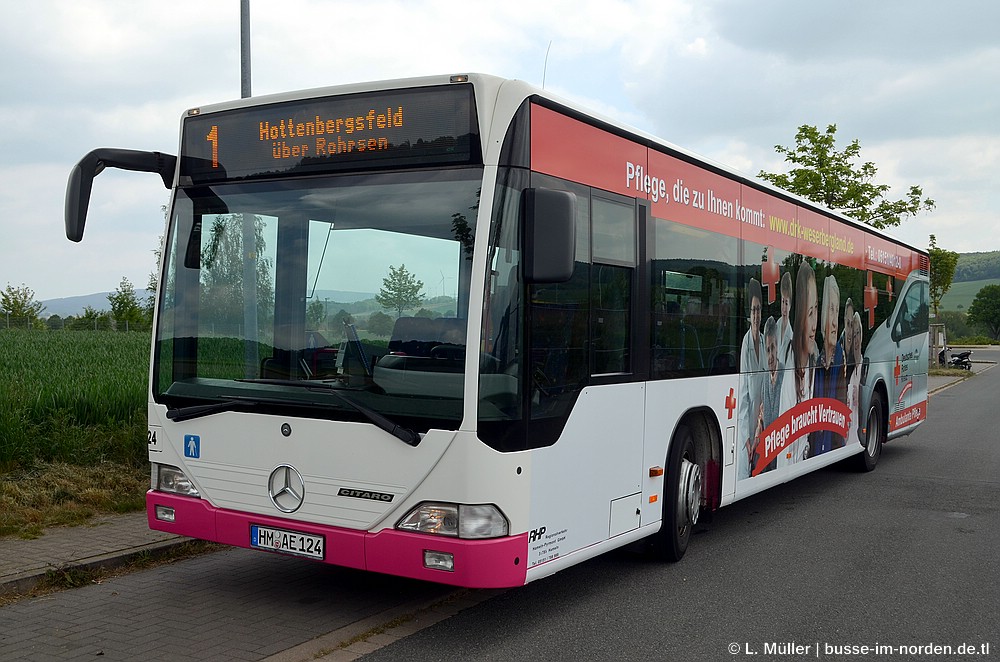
917,82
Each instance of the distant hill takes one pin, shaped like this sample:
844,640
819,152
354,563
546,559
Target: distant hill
977,266
99,301
972,273
340,296
960,296
74,305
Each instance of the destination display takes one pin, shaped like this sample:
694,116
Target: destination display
416,127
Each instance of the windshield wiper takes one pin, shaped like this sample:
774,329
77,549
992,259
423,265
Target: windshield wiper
405,435
197,411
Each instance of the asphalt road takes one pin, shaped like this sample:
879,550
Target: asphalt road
905,556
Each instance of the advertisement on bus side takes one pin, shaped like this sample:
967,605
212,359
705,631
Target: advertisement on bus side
807,376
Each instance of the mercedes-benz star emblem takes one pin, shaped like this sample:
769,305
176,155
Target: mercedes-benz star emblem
286,488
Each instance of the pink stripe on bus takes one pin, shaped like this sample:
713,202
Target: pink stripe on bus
494,563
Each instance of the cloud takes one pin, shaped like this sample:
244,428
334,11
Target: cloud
916,82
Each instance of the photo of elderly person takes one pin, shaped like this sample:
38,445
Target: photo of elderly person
753,363
847,337
785,321
830,380
854,375
801,357
770,400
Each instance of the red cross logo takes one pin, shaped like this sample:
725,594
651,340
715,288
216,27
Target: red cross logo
770,277
731,403
896,370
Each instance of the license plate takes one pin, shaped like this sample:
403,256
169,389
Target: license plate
287,542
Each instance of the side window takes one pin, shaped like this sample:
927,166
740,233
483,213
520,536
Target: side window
695,308
614,231
913,312
614,258
611,305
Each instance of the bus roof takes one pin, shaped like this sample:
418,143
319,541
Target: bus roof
499,98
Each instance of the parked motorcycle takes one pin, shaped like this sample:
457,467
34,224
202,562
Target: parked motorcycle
949,359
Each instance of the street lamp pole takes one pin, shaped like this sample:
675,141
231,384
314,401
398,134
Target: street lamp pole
244,49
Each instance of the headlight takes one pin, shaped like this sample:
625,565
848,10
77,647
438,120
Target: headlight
459,521
481,522
166,478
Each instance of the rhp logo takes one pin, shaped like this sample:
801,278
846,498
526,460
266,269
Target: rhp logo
286,488
536,534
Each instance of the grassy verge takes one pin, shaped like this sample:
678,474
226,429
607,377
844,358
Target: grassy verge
949,372
61,494
72,427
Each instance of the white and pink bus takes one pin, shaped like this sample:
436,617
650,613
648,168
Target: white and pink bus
459,330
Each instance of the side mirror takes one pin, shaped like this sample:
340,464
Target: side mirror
548,235
81,179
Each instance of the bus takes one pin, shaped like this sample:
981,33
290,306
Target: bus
460,330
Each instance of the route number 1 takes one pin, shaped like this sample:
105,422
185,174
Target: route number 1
213,137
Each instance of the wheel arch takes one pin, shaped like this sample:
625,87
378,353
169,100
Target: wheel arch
883,391
707,433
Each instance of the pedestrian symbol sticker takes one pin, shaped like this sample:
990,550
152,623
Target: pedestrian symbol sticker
192,446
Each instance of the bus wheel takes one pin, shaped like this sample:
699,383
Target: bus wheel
681,497
874,435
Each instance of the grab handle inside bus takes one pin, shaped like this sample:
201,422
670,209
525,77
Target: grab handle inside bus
549,235
81,179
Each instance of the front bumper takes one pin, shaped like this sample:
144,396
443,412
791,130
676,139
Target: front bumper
494,563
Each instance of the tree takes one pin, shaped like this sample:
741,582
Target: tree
380,324
943,263
91,320
18,303
225,261
338,321
978,266
126,309
55,323
400,290
957,324
315,313
830,178
153,282
985,310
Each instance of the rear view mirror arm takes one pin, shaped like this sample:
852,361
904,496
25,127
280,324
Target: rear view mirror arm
81,179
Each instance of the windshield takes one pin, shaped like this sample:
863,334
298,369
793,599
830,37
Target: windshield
357,284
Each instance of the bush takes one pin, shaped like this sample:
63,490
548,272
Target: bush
972,340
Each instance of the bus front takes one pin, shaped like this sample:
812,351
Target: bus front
310,372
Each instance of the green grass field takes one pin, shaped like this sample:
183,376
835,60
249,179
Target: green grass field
72,427
72,396
960,296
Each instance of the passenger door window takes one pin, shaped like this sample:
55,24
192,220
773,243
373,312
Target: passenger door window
614,257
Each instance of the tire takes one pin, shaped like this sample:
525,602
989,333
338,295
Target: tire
874,435
681,497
